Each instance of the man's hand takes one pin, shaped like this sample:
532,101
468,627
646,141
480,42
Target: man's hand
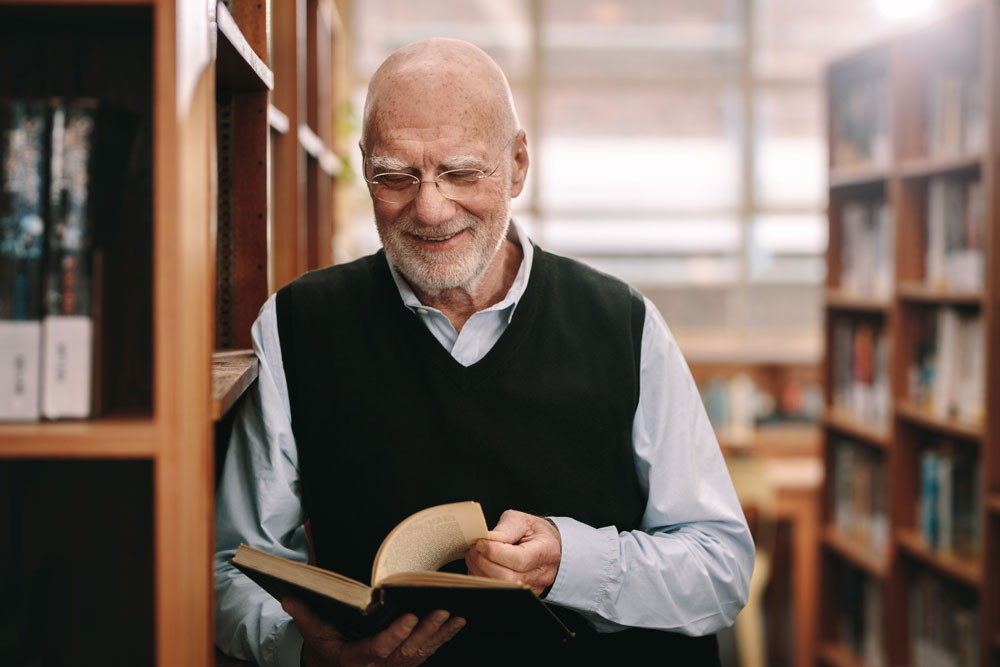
403,644
522,547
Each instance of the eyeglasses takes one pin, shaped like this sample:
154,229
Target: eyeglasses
396,187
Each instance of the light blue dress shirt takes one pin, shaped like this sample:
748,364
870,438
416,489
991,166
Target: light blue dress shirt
687,569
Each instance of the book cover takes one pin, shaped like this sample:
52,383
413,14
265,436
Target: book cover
22,226
67,327
405,580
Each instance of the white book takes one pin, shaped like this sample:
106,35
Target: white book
66,366
20,363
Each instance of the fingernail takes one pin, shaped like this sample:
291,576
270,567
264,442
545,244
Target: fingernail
439,617
481,547
409,623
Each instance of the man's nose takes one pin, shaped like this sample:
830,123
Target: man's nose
430,207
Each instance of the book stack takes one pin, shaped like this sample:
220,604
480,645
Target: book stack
860,500
955,122
947,375
949,495
866,255
861,131
955,232
944,624
860,371
58,155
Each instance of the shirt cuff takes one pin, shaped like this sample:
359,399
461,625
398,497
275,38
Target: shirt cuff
285,645
585,569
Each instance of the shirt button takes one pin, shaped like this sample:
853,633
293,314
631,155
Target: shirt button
422,311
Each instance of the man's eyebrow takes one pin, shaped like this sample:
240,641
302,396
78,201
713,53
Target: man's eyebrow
381,163
462,162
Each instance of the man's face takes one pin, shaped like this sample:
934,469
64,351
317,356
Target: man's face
439,243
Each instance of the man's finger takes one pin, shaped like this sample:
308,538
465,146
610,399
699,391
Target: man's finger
309,624
519,557
511,527
484,567
383,644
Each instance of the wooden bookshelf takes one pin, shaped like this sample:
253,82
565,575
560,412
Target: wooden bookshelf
138,478
938,88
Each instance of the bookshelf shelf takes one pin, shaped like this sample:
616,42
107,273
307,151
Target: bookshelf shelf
233,371
315,148
91,439
925,167
967,572
837,655
277,119
850,177
837,299
873,434
238,67
773,440
949,427
918,293
860,555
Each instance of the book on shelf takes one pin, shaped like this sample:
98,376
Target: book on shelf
860,370
949,495
955,122
405,578
861,121
947,375
859,625
944,624
23,141
860,501
866,254
955,233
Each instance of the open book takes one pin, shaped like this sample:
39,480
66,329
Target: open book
405,579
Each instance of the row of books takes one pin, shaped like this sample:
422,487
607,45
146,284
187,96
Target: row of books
947,373
859,617
860,498
944,626
866,255
955,232
948,505
955,122
737,404
58,158
860,370
861,122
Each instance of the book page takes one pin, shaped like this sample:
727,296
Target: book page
429,539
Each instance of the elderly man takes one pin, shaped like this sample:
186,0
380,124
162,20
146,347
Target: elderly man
464,362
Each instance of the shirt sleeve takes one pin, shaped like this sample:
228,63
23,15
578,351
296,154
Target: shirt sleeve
687,569
258,503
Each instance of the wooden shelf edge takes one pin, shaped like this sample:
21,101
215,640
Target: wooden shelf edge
846,177
233,371
907,411
315,147
917,292
857,554
237,65
926,166
278,119
993,503
846,425
84,439
837,655
837,299
964,571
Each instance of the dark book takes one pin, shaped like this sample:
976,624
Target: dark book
23,149
405,579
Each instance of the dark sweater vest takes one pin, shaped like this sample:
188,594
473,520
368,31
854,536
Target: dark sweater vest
387,423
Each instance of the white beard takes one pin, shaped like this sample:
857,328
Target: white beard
461,267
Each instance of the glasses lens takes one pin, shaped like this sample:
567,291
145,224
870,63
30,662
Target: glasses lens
394,187
460,183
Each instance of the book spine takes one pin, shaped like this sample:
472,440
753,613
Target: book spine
22,226
67,328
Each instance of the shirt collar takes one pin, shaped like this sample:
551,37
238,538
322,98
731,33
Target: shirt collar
515,234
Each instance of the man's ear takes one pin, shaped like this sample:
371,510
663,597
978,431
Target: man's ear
520,169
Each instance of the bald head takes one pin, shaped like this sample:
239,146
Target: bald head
439,82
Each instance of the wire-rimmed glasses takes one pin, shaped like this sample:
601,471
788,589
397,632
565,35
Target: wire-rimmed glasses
397,187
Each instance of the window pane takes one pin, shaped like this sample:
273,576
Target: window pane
787,249
790,151
639,149
601,39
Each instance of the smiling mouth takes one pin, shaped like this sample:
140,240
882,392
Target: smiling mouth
437,239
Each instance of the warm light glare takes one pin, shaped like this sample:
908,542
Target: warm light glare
904,9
